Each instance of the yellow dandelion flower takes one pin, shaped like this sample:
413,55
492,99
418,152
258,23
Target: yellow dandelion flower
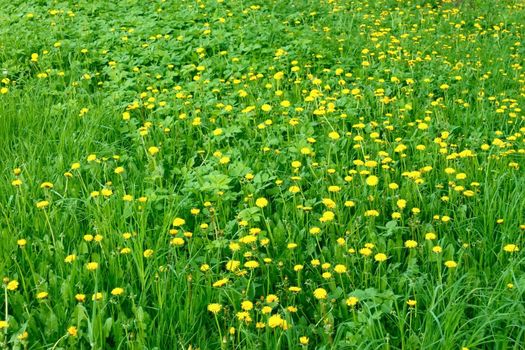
365,251
352,301
92,266
214,308
247,305
177,241
97,296
117,291
23,336
380,257
72,331
511,248
80,298
340,268
294,189
271,298
106,192
119,170
42,204
320,293
221,282
177,222
275,321
334,135
451,264
261,202
430,236
42,295
372,180
410,244
252,264
12,285
153,150
233,265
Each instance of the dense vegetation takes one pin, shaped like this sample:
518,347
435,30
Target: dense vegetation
242,174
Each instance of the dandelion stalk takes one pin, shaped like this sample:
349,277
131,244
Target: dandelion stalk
6,317
50,229
221,340
58,341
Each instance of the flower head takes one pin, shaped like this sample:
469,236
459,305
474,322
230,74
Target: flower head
261,202
451,264
275,321
42,295
214,308
117,291
511,248
352,301
72,331
320,293
42,204
12,285
372,180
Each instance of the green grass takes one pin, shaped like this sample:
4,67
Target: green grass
373,129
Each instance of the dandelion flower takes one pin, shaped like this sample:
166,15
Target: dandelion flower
23,336
117,291
221,282
252,264
271,298
380,257
411,303
92,266
12,285
153,150
97,296
247,305
42,204
451,264
372,180
42,295
511,248
72,331
177,222
340,268
106,192
334,135
275,321
46,185
352,301
320,293
410,244
177,241
261,202
119,170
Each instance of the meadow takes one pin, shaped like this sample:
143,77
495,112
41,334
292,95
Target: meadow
262,174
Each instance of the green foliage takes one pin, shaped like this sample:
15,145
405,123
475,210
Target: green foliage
262,174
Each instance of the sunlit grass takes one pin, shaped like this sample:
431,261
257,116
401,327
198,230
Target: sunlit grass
273,174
